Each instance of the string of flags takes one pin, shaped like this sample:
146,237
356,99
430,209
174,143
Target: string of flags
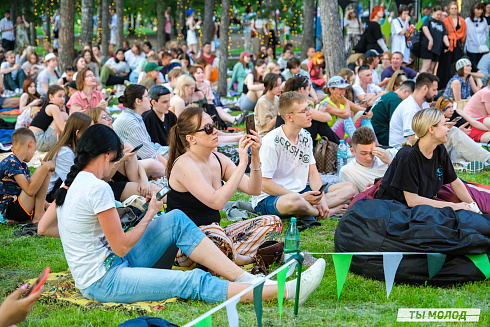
342,262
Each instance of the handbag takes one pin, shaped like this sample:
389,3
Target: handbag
268,253
483,48
326,156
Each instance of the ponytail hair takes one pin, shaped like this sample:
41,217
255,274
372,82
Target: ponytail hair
97,140
421,123
188,123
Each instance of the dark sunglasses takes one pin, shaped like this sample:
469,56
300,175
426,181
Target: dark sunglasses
208,129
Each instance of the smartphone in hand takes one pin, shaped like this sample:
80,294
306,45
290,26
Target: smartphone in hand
324,186
39,282
136,148
250,123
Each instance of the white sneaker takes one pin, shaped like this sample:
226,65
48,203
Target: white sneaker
310,279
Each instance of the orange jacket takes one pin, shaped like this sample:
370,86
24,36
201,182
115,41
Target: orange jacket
453,34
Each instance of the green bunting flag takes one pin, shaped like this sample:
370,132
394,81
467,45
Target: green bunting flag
386,29
435,261
258,303
281,283
481,262
342,265
206,322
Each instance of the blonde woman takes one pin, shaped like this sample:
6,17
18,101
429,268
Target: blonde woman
423,165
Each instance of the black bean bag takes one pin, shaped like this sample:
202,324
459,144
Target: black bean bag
372,225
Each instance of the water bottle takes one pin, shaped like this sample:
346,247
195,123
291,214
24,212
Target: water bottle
292,239
341,155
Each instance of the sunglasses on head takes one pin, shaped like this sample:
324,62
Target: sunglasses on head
208,129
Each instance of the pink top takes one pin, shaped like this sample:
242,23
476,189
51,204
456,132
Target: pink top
475,108
168,25
314,75
79,98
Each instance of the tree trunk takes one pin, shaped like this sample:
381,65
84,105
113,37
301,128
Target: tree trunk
224,39
208,24
66,34
332,37
33,33
99,22
466,8
120,24
47,25
105,27
160,25
181,23
308,27
87,22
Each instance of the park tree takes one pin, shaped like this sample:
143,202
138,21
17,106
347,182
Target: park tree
160,24
466,8
224,43
208,24
105,36
332,37
66,34
308,27
87,22
120,23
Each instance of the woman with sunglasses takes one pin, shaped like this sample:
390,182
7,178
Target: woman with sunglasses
319,117
87,97
196,174
113,265
462,85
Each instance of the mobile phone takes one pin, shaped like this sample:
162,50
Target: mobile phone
250,123
368,109
164,191
136,148
39,282
324,186
109,98
455,119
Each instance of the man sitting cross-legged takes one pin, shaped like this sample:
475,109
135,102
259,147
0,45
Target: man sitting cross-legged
288,165
370,162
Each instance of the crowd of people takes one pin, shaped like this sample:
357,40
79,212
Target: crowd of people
406,125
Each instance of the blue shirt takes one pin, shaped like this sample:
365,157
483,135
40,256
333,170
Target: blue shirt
9,167
465,87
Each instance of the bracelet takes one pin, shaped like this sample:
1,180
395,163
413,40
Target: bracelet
260,167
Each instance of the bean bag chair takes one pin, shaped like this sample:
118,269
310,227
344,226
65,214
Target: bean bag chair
371,225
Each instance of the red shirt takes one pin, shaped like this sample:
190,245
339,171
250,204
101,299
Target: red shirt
210,59
79,98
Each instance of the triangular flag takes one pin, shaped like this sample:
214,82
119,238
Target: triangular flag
386,29
258,302
390,266
291,268
419,24
206,322
232,313
481,262
281,283
342,265
435,261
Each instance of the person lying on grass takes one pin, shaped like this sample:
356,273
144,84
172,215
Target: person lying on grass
110,265
423,165
195,175
22,197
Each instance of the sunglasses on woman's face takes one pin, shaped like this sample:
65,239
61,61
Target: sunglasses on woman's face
208,129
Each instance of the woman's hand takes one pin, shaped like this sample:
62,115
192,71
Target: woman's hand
127,155
243,145
102,104
465,128
256,142
144,189
154,206
13,310
460,206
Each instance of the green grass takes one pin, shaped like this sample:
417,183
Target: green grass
363,302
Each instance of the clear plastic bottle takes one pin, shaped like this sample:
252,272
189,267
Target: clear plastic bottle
341,155
292,238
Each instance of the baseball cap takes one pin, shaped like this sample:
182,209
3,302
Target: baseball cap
245,53
151,66
50,56
372,53
337,82
189,12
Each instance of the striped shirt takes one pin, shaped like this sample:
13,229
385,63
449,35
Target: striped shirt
129,126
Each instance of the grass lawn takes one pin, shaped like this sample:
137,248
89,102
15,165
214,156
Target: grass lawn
363,302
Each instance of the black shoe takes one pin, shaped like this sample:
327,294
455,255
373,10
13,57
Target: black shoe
306,223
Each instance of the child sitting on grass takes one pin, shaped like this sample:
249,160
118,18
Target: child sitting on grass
22,197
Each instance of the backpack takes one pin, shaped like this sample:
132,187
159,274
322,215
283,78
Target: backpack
416,40
326,156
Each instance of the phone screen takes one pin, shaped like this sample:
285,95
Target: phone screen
324,186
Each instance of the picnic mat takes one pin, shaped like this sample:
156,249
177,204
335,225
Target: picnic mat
60,289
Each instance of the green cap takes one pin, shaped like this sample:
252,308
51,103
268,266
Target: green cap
151,66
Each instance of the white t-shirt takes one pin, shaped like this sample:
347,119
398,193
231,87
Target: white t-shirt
285,163
398,43
63,162
360,175
283,63
401,121
121,66
85,246
5,65
45,77
358,90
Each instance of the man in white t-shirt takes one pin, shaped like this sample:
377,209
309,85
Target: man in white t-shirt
288,166
370,162
401,122
366,91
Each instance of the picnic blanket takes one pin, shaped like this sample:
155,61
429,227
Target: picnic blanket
9,111
60,289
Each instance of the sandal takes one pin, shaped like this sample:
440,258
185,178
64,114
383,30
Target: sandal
239,119
29,229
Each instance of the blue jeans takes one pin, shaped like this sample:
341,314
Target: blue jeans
130,279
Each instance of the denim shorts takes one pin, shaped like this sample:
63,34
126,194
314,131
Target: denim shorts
268,205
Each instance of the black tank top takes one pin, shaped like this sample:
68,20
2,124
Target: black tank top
197,211
42,120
